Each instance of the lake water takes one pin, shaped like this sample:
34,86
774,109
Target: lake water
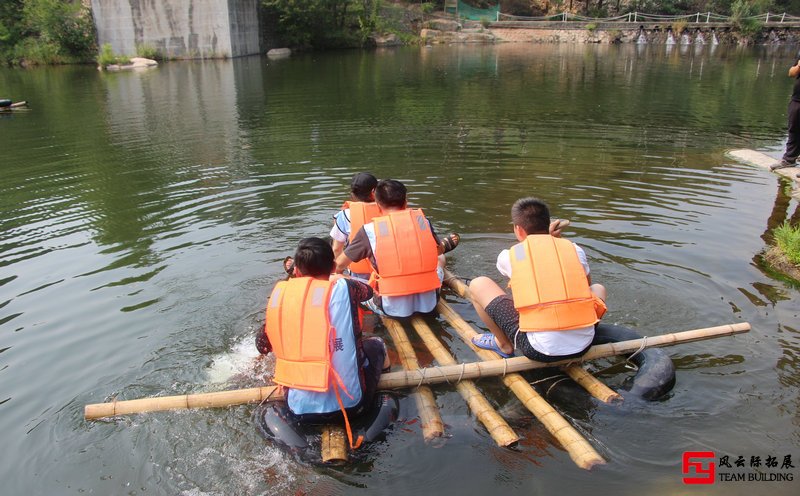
144,217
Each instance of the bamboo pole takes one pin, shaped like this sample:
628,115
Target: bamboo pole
432,425
411,378
579,449
500,366
200,400
334,444
590,383
498,428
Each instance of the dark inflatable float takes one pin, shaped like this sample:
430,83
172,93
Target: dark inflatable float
656,374
277,423
6,104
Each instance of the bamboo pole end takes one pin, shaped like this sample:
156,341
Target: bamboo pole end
334,445
590,462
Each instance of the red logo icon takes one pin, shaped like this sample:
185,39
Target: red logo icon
700,464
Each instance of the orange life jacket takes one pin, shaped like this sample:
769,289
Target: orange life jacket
360,214
300,331
549,285
406,254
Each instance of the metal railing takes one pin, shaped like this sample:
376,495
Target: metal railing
699,17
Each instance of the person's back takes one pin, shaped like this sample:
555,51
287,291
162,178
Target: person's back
404,251
359,210
554,306
326,365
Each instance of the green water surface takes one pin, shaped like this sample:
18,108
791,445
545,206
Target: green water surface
144,215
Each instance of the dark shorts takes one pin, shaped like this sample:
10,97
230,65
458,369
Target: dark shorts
501,310
375,353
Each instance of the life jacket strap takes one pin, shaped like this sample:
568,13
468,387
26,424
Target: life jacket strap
347,427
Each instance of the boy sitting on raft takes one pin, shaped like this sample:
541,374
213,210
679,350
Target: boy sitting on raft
405,253
554,307
355,212
360,209
313,329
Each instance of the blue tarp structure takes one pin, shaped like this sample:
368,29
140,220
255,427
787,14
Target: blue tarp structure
473,13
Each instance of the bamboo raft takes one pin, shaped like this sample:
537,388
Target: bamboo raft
459,375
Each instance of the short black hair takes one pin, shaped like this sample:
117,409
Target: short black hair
390,193
314,257
532,215
362,185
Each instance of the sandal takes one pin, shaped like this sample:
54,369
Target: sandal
288,266
486,341
450,242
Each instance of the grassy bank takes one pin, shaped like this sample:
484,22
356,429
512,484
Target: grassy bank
785,255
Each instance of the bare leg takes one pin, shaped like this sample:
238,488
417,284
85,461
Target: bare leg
483,290
442,262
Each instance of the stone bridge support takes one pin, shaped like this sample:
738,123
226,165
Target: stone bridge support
179,28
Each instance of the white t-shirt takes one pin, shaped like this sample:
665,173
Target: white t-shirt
341,226
554,343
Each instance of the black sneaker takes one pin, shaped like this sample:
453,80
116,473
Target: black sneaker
783,164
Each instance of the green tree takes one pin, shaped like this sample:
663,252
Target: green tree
10,24
312,23
68,25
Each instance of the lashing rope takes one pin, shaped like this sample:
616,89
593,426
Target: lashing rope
630,365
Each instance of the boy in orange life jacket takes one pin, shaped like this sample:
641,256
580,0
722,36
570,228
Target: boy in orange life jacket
334,342
404,251
555,305
363,208
360,209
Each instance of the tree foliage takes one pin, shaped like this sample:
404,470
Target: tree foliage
318,22
45,31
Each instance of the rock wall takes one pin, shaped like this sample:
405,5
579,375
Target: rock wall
179,28
690,36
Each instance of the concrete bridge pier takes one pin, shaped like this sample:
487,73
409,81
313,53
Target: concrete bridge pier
179,28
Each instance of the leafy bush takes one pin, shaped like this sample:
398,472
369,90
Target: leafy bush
428,7
31,51
67,25
320,23
741,10
148,52
107,57
788,240
591,26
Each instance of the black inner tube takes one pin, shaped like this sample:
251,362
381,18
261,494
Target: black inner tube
656,375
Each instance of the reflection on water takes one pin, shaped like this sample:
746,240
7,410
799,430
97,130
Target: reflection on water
143,217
